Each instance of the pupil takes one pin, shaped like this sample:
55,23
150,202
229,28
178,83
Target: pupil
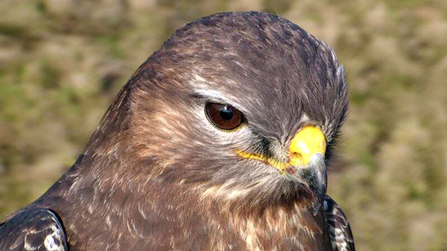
226,113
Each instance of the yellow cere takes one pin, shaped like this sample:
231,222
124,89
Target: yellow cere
307,142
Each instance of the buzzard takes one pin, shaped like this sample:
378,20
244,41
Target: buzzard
219,141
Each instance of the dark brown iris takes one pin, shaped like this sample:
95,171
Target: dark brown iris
223,116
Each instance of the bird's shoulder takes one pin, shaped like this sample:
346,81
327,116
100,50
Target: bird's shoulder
338,226
33,229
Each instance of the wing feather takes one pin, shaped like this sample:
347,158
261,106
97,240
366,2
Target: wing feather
33,229
338,226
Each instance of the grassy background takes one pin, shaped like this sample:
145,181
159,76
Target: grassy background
63,61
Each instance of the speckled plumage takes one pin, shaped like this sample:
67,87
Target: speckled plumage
156,175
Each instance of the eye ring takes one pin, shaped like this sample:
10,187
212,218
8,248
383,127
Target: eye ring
224,116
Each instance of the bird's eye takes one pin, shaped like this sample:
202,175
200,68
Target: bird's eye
223,116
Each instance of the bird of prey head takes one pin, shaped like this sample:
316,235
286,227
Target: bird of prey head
239,108
236,112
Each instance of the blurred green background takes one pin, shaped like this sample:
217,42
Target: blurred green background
63,61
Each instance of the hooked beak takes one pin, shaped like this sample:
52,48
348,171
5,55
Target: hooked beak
308,167
306,163
314,177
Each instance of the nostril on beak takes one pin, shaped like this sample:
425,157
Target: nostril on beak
296,155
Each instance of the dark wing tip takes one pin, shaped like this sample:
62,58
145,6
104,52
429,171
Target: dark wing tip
33,229
338,226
